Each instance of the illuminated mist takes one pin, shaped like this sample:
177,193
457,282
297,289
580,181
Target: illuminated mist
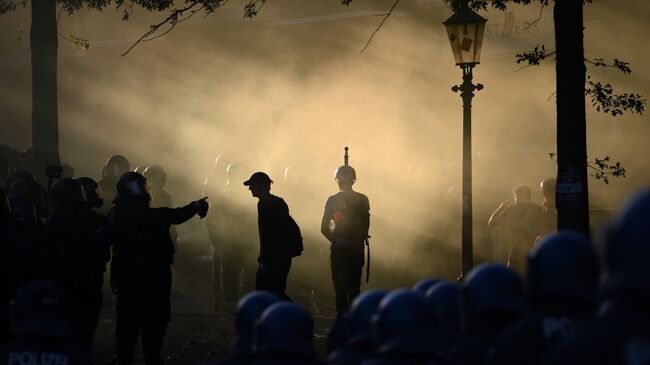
286,91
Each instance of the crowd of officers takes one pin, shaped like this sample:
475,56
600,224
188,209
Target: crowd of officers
66,234
577,303
574,304
59,237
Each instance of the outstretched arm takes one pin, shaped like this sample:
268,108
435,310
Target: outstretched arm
497,217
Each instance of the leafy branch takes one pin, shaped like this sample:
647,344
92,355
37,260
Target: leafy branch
622,66
81,43
605,100
602,169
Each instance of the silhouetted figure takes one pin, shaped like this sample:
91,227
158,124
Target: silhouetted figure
25,254
284,336
345,224
160,198
249,309
156,179
280,238
40,319
548,206
115,166
406,330
140,270
561,284
621,332
30,188
78,233
240,238
92,191
214,186
444,297
492,299
525,220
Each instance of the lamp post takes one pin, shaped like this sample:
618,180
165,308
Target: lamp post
465,30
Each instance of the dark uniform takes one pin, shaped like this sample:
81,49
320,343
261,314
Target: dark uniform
345,223
38,351
40,320
140,270
77,233
25,255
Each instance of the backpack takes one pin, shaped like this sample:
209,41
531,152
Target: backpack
294,238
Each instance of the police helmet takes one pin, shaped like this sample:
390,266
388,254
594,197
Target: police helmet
563,265
249,309
156,176
445,298
132,187
16,175
284,328
140,169
345,173
92,191
363,307
41,309
22,209
405,323
491,287
423,285
115,166
548,187
626,247
67,191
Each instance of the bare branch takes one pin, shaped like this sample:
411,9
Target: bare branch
171,19
380,25
527,25
173,25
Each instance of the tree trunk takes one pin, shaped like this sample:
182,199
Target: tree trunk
44,43
572,189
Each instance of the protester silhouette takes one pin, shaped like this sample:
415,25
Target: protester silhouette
345,224
280,238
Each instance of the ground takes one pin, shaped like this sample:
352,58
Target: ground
196,335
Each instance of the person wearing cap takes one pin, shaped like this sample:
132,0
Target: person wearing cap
40,319
345,224
280,238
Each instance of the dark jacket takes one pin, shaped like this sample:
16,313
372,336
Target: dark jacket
279,234
141,241
78,233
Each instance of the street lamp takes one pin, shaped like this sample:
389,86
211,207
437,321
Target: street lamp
465,31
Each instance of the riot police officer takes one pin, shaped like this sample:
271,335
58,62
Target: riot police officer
40,320
140,269
25,254
491,299
78,233
345,224
620,333
115,166
561,284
